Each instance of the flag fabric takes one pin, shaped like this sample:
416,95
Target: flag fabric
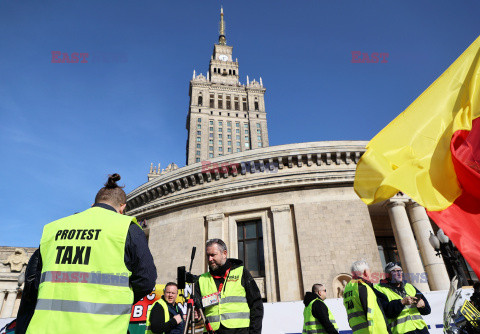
431,152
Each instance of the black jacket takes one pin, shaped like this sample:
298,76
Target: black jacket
254,299
320,312
395,306
157,319
29,294
138,260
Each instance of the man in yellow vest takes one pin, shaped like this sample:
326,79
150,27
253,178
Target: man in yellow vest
92,267
367,308
317,317
165,316
230,297
407,319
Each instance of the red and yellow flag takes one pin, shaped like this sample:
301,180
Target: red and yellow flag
431,152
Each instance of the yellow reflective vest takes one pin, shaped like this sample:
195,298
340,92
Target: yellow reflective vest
232,311
84,283
409,319
311,325
373,321
165,313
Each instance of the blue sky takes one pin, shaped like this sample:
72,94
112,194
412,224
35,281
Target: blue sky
65,127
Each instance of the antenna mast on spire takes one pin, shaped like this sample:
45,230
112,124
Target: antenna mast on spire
222,40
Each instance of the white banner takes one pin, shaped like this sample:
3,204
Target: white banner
287,317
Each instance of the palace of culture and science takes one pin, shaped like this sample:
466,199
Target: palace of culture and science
224,116
289,212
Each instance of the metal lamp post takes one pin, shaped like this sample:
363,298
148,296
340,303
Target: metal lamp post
441,244
20,281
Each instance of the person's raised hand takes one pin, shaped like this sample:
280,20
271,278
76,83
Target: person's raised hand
407,300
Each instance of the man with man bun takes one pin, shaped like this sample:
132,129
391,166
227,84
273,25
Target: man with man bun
92,267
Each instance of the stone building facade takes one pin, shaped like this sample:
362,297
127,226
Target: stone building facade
289,211
13,261
311,222
224,116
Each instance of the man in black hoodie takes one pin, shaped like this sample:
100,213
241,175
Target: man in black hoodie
230,297
319,310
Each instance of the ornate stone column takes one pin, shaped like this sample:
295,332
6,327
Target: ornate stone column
2,298
405,241
286,253
437,273
8,307
215,227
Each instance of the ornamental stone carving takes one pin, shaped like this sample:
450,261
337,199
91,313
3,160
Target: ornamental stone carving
238,173
17,260
171,167
339,284
200,77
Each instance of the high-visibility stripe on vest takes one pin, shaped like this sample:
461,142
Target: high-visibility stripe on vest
84,284
311,325
374,321
165,313
232,311
409,319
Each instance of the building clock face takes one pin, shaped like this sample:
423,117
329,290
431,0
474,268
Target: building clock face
223,57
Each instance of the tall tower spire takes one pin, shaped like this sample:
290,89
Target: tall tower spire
224,116
221,39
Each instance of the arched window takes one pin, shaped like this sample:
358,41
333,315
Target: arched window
200,99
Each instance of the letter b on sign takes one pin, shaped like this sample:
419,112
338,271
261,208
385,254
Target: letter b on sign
137,311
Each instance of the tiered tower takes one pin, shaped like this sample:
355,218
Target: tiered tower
224,116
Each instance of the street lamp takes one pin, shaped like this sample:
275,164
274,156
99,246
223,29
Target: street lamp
441,244
20,281
435,243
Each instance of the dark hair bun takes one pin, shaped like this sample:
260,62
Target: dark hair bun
112,181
